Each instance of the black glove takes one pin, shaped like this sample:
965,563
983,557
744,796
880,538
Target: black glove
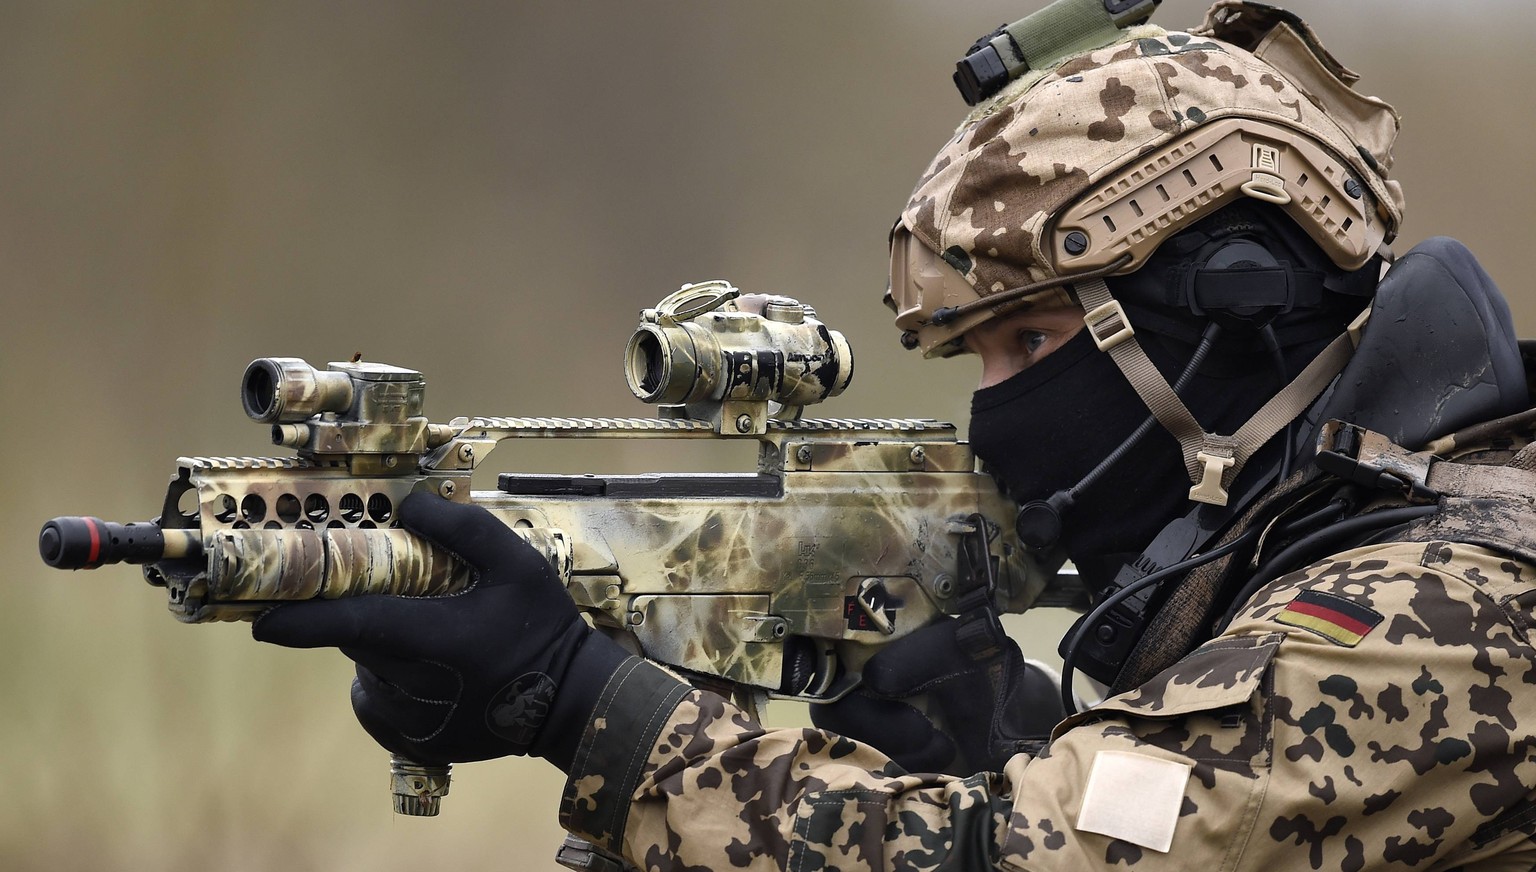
990,702
506,666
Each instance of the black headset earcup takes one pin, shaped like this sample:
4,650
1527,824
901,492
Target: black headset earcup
1038,524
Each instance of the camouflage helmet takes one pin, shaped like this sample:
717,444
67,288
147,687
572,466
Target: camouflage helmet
1082,170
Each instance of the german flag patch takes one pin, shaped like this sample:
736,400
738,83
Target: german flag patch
1334,618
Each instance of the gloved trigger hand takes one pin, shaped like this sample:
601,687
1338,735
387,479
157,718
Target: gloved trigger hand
955,696
471,675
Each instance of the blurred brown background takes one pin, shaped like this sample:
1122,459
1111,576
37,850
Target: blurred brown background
487,193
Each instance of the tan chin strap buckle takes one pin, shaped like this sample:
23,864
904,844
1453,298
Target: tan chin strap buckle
1216,461
1108,325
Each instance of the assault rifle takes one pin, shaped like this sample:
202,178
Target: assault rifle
781,581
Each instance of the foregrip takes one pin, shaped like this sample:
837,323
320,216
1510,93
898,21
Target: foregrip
277,565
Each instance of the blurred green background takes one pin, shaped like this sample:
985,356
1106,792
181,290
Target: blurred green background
487,193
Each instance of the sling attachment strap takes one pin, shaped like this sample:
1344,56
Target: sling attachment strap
1212,460
1369,459
1481,497
980,634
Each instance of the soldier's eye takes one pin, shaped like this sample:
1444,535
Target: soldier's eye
1031,341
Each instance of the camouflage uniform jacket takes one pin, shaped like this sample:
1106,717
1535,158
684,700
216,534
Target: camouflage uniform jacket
1370,710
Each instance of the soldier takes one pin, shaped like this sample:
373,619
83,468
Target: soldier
1169,253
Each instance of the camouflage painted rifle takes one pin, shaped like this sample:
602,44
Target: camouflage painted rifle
781,581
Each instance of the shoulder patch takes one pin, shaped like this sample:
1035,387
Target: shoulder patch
1135,798
1340,621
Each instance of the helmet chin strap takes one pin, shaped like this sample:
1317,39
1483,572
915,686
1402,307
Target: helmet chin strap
1039,521
1212,460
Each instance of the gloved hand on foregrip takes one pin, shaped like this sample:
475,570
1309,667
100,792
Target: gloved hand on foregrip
506,666
988,701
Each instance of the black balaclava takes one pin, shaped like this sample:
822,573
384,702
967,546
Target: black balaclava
1043,430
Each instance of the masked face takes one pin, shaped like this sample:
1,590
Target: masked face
1049,407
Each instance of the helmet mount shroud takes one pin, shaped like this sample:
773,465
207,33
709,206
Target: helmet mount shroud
1043,39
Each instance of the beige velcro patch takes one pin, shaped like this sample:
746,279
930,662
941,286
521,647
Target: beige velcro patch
1134,797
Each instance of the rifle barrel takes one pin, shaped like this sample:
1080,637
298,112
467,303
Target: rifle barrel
80,542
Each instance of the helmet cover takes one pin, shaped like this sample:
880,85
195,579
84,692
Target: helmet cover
1102,158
